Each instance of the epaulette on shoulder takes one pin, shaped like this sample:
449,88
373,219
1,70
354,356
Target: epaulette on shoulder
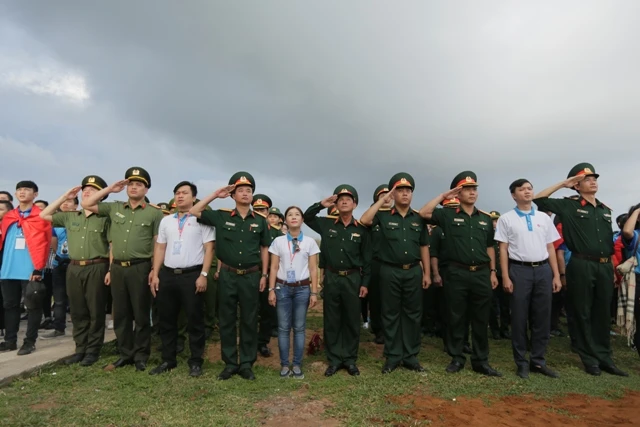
225,210
574,197
261,214
154,206
384,209
606,206
332,216
418,212
486,213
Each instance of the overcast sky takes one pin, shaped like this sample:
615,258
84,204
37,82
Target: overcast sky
307,95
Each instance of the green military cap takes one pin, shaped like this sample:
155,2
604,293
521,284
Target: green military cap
494,214
261,201
346,189
96,182
465,179
136,173
242,178
451,203
402,179
165,207
276,211
380,189
583,169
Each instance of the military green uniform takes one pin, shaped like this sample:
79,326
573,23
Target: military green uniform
588,234
89,254
132,236
238,245
268,313
347,268
467,285
401,278
375,300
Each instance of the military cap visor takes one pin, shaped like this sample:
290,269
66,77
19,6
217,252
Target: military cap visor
494,214
138,174
276,211
242,178
261,201
454,202
94,181
348,190
381,189
401,180
465,179
586,169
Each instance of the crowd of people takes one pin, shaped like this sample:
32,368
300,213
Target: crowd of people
448,269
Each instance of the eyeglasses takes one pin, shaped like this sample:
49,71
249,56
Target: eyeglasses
296,245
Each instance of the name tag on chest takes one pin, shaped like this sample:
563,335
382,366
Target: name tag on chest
21,243
177,247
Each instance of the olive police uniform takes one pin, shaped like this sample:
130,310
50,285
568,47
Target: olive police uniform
267,315
500,316
588,233
133,232
347,268
89,254
401,279
375,300
467,285
238,245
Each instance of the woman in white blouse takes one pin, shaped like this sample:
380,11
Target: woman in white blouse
293,289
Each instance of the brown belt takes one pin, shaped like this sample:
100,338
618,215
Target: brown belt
402,266
346,272
601,260
305,282
90,261
130,262
468,267
240,272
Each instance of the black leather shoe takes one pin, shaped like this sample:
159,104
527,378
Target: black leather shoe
195,370
247,374
331,370
8,346
454,367
416,367
76,358
27,348
487,370
613,370
466,349
274,333
389,367
495,335
89,359
122,362
523,372
544,371
227,373
140,366
265,351
379,339
593,370
161,368
353,370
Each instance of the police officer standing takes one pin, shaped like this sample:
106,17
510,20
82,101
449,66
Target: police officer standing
471,273
588,234
134,229
243,243
404,247
347,273
89,253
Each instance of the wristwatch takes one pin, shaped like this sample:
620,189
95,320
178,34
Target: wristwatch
266,276
204,273
495,270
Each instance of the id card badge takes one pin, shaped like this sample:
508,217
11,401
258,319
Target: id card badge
291,276
21,243
177,247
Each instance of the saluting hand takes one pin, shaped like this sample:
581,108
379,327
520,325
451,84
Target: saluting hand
388,197
224,192
329,201
72,192
454,192
571,182
118,186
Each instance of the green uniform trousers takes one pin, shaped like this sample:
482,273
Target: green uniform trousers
401,292
132,302
341,318
87,295
468,295
239,290
375,300
589,291
210,310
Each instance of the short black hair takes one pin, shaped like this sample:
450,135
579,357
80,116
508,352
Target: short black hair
7,203
621,219
76,201
44,202
7,194
27,184
631,210
517,184
194,189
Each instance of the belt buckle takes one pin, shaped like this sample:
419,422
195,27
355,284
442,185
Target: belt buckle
177,271
604,260
83,263
125,263
241,272
343,273
406,266
535,264
473,267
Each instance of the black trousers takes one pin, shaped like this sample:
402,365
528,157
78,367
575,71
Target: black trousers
47,279
12,291
178,291
556,308
60,299
530,304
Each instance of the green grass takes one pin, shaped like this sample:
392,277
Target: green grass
60,395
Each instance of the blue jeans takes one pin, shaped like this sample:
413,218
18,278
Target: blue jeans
292,303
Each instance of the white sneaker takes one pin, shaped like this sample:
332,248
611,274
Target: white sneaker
110,324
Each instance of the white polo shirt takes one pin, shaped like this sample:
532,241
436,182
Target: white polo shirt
527,242
184,249
298,261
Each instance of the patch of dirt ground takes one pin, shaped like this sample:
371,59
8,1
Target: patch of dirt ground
574,410
295,411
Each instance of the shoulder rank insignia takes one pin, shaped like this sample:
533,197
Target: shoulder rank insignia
225,210
384,209
155,206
